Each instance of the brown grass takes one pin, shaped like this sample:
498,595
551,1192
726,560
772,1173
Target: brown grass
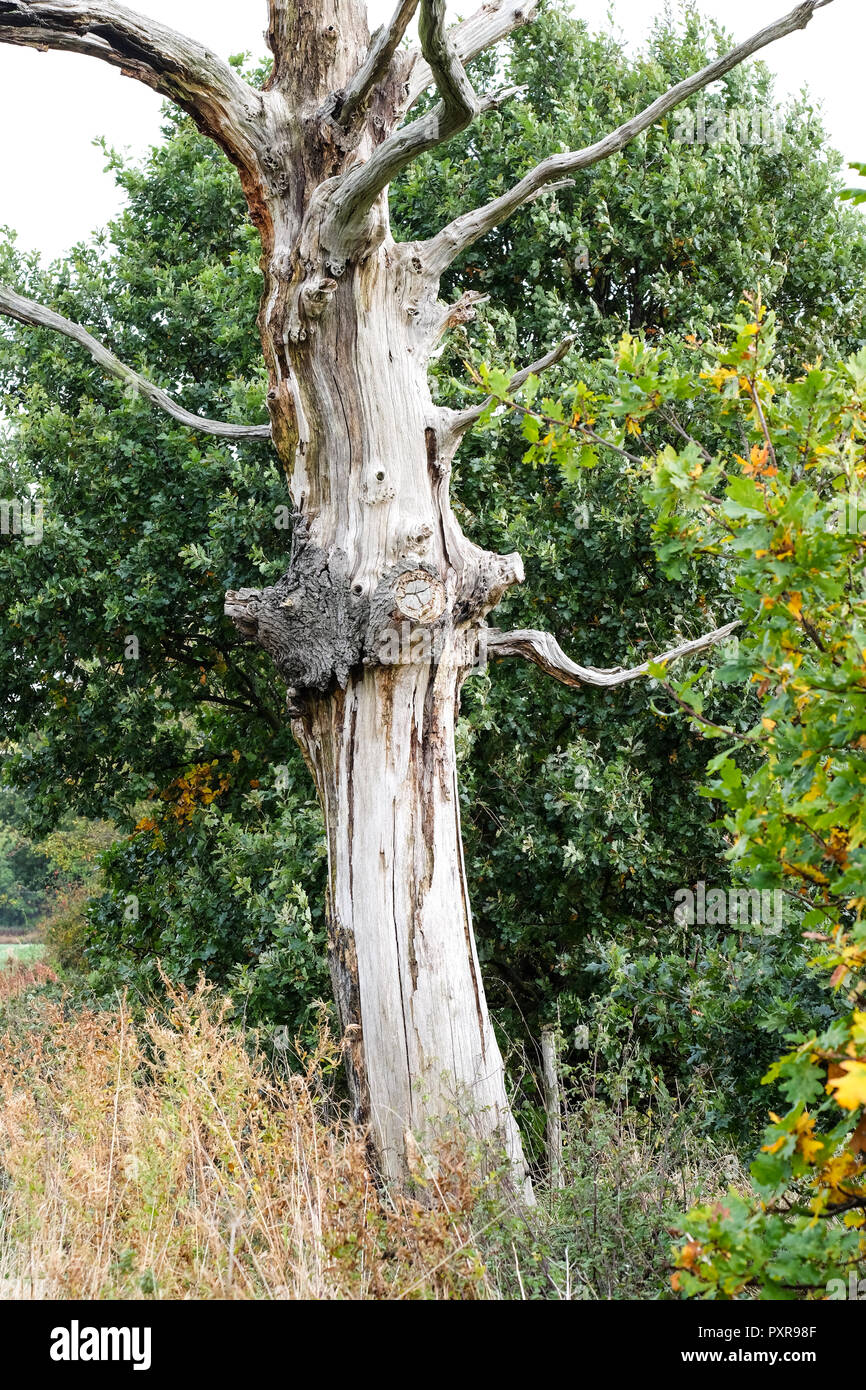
165,1159
19,976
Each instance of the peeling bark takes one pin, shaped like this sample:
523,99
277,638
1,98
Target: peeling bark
419,1045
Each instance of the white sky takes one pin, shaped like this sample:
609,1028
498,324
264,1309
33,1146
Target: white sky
53,190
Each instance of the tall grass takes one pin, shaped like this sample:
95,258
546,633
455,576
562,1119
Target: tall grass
22,970
160,1158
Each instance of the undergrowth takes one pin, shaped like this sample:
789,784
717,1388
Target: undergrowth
161,1154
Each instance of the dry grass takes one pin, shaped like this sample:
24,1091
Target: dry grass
16,977
161,1159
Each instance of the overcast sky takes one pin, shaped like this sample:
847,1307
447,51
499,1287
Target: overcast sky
53,190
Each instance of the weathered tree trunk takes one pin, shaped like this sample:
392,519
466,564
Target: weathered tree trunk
376,622
419,1046
374,628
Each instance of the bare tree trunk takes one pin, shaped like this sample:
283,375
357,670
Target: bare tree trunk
420,1049
374,628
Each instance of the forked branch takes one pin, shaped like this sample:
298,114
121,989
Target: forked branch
27,311
457,106
545,652
492,23
372,71
448,244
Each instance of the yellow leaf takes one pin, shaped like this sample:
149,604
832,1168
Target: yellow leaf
807,1144
810,1148
850,1088
774,1148
838,1170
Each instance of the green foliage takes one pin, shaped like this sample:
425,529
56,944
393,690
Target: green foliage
23,882
769,481
791,515
857,196
117,665
41,880
702,1014
213,888
145,527
603,1234
553,865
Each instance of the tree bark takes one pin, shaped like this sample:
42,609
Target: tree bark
377,619
420,1050
374,627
